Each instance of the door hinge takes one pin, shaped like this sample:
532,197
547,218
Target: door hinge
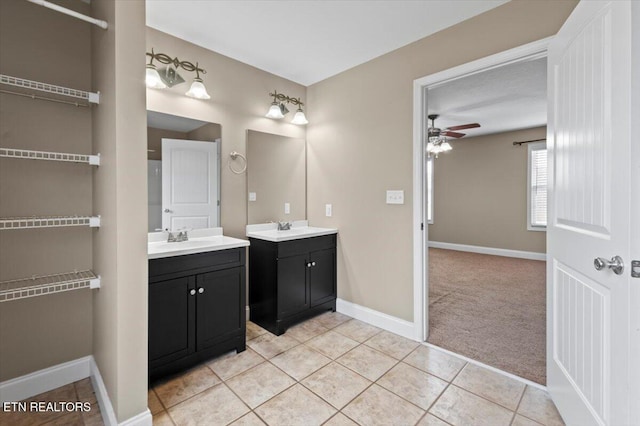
635,268
422,226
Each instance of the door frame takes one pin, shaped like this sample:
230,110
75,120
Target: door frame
533,50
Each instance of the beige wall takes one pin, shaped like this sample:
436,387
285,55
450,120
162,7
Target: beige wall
276,173
120,195
239,101
359,144
40,332
154,141
206,133
480,193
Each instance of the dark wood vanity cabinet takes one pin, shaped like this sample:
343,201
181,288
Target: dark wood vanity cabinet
290,281
196,309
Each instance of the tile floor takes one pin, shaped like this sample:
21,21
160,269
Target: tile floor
330,370
335,370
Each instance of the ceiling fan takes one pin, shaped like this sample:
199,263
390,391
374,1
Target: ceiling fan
449,131
437,138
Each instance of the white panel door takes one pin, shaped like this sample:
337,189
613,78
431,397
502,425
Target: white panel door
589,311
189,184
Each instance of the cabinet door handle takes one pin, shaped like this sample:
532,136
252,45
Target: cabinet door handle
313,263
201,290
192,292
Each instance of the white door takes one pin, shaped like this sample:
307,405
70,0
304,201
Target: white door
190,187
589,311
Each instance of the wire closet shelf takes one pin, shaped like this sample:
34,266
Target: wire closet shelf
48,222
90,97
93,160
47,284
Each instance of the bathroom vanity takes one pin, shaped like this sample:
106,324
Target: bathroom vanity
292,274
197,296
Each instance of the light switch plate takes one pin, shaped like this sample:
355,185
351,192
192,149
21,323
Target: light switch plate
287,208
252,196
395,197
328,210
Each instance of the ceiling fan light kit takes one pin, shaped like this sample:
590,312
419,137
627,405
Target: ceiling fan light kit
437,138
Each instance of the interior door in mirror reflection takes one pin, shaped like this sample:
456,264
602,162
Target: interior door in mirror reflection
190,190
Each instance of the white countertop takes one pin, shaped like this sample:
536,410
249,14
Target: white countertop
200,241
299,229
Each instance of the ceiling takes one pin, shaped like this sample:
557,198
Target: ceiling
507,98
158,120
307,41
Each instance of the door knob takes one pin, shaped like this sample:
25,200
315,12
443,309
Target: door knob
313,263
309,265
168,211
615,264
192,292
201,290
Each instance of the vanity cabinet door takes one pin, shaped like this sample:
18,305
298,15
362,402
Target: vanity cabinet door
171,320
293,291
220,309
322,277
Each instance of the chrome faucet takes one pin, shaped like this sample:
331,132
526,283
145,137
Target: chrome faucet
178,237
284,226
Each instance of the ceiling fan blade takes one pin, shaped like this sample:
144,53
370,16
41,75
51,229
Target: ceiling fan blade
463,126
453,134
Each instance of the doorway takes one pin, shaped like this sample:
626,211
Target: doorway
457,246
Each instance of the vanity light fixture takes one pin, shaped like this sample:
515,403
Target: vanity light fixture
169,77
277,110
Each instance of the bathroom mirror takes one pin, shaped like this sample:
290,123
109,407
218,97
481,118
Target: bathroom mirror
276,178
183,172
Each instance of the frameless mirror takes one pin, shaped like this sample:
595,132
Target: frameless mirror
183,172
276,178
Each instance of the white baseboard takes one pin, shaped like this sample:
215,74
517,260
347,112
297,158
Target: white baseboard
44,380
106,408
378,319
41,381
531,255
142,419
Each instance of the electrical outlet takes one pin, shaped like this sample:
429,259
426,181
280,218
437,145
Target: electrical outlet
395,197
287,208
328,210
252,196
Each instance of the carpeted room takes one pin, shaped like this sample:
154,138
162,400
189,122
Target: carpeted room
487,274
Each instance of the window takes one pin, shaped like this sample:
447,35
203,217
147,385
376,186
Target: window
430,190
537,187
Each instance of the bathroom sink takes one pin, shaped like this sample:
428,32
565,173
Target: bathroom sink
269,232
204,242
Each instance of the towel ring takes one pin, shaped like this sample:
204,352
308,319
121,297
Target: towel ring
232,156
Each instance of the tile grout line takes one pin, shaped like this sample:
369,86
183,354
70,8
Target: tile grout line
192,396
515,413
449,383
485,366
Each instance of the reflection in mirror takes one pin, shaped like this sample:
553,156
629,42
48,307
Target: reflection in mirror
276,178
183,172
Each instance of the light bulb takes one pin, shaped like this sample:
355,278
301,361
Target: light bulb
198,90
274,111
299,118
153,80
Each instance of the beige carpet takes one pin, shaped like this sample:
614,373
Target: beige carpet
491,309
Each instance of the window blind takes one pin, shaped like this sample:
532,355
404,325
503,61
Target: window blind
538,188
